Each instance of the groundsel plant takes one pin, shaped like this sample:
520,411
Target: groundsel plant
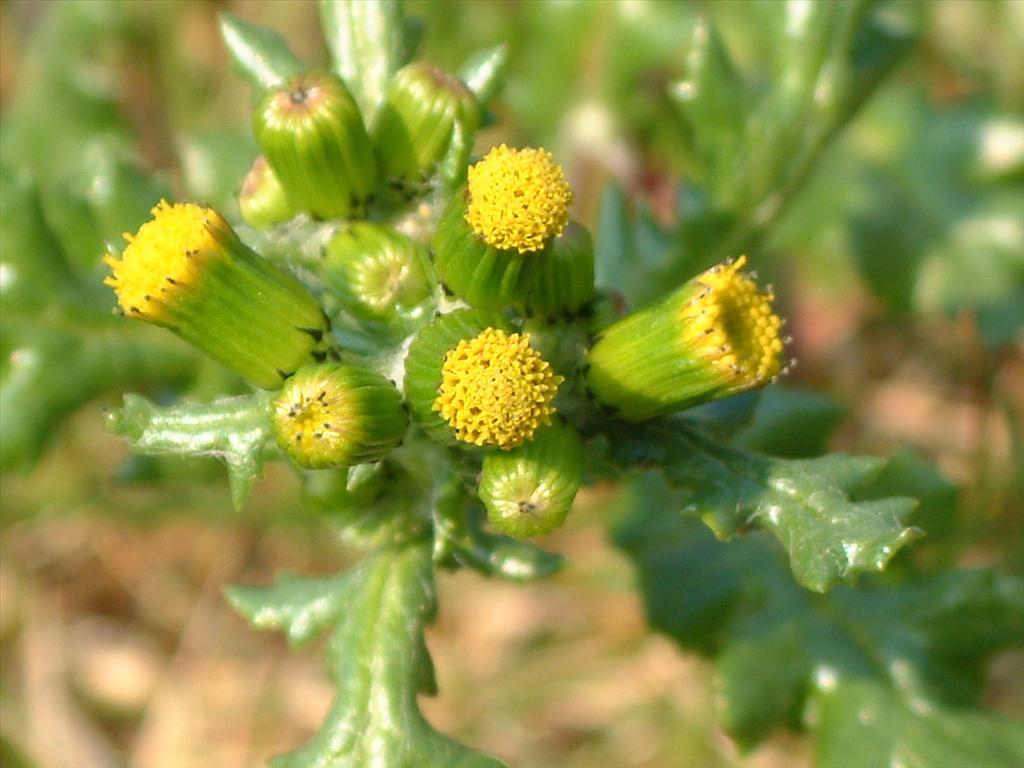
416,316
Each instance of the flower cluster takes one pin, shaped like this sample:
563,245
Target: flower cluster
466,316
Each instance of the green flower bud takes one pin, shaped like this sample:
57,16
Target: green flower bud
559,281
514,203
331,415
415,123
376,271
313,137
186,270
714,337
262,201
528,491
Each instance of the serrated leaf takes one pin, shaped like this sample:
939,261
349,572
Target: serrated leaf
260,55
234,429
866,724
367,41
907,474
805,503
299,606
484,72
781,652
711,97
377,659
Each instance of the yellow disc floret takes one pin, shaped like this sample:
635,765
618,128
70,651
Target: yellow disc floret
517,199
166,253
731,322
496,389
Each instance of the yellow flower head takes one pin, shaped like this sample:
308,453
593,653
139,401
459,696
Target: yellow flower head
165,256
732,325
496,389
517,199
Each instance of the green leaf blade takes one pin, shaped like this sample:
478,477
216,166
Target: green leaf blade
368,44
864,725
234,429
260,55
484,73
300,607
805,503
911,651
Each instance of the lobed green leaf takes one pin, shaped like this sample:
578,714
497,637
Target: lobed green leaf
805,503
377,659
911,653
236,430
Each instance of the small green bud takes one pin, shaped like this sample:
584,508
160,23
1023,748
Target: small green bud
186,270
376,271
415,123
715,336
559,281
528,491
313,137
331,415
262,201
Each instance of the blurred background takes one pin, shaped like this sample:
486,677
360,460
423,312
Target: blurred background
897,254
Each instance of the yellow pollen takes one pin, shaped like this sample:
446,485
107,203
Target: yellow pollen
496,389
164,255
317,417
732,323
518,198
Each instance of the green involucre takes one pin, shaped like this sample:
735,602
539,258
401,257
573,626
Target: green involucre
337,415
528,491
